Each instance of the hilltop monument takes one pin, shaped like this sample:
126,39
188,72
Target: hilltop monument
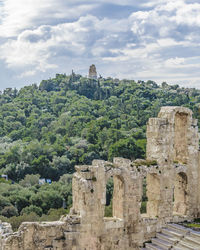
92,72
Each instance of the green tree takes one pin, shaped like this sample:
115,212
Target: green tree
126,148
30,180
32,209
9,211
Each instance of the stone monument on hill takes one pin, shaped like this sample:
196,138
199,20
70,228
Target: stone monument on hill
92,72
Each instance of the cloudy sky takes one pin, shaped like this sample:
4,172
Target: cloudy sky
134,39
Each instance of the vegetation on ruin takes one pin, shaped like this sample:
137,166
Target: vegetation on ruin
46,129
109,195
193,225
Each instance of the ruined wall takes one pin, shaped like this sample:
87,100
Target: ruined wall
173,140
172,181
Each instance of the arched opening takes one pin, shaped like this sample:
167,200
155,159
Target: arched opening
143,208
180,138
109,198
180,194
114,197
151,195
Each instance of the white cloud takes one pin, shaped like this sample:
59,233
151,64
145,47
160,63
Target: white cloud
25,14
35,47
174,61
159,42
27,74
21,54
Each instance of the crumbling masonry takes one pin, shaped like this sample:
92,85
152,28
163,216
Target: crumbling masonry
172,176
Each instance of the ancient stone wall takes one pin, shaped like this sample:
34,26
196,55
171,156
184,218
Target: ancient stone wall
171,174
173,140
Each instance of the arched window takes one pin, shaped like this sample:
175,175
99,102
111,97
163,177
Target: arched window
143,208
114,197
109,198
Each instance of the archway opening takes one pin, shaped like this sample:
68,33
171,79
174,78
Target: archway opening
109,198
180,194
114,197
143,208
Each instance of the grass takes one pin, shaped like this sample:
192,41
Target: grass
193,225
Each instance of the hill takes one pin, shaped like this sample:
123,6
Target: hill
69,120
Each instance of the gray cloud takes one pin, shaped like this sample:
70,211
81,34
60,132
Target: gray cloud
158,40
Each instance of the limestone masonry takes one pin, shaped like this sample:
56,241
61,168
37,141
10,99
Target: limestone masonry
170,171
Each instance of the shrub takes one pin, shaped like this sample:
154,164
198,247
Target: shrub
4,202
108,211
16,221
54,214
143,208
9,211
30,180
30,209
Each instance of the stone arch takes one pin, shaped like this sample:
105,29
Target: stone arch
180,195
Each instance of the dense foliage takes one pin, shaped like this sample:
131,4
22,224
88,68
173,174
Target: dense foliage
69,120
29,201
46,130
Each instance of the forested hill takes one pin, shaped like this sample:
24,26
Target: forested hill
69,120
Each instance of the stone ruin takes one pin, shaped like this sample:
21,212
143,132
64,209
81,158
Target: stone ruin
171,172
92,72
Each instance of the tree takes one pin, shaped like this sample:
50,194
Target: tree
126,148
31,209
61,164
16,172
4,202
47,200
30,180
9,211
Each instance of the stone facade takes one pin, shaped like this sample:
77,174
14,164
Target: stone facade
172,178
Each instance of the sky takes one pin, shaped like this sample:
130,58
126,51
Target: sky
155,40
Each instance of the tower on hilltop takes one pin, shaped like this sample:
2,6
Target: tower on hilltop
92,72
